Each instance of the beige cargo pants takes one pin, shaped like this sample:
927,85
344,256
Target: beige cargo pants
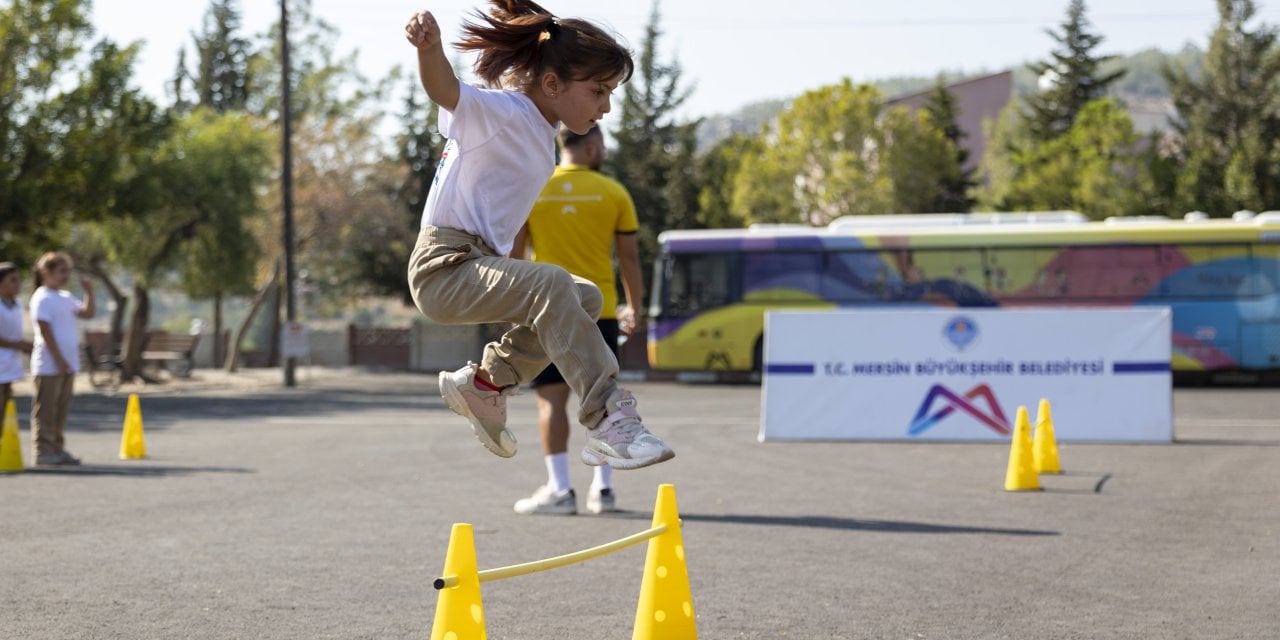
456,278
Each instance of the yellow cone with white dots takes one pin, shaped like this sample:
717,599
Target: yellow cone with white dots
665,611
1021,473
1045,443
459,613
10,445
132,444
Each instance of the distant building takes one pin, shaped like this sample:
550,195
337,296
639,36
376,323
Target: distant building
979,100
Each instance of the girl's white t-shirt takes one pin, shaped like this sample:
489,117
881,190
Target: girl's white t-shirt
59,309
11,367
500,154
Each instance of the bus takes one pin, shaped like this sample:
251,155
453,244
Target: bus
711,288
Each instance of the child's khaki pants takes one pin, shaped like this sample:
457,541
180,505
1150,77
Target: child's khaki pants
456,278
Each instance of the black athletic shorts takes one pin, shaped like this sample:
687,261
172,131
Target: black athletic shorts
608,329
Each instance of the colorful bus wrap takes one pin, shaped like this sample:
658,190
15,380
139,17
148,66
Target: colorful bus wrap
1220,277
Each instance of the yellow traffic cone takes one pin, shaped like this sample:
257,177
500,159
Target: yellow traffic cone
10,445
1045,444
459,614
132,445
1021,475
665,611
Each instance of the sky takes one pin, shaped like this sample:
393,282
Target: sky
733,52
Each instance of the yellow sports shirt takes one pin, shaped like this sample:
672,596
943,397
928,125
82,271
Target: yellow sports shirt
574,222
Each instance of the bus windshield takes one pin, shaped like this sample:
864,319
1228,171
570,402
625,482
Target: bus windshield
690,283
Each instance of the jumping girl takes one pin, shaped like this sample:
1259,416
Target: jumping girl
500,153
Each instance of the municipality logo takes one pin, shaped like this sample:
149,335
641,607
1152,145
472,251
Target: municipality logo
951,402
961,332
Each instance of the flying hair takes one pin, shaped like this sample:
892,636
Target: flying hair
519,41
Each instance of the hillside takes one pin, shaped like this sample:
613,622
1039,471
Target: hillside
1142,89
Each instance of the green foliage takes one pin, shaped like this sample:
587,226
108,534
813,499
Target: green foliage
837,152
1074,74
715,174
654,151
1229,118
324,85
206,180
222,81
955,183
1095,167
923,164
382,249
72,131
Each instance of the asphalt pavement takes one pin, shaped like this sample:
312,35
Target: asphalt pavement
324,512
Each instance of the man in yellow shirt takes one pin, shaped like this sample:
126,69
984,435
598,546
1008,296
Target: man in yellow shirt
577,222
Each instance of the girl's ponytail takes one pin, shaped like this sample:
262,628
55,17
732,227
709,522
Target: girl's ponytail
518,41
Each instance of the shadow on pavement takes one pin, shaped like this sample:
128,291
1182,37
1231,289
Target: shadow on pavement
93,412
842,524
1217,442
133,471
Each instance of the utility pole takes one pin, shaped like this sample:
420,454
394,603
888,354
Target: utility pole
286,118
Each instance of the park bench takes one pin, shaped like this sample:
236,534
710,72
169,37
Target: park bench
176,353
102,367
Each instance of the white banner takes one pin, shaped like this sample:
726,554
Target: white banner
960,374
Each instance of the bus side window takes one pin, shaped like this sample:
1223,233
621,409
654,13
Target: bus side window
697,282
1215,272
858,276
1018,274
779,276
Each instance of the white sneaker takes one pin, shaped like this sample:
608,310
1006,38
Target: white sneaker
548,502
602,500
60,459
620,440
485,409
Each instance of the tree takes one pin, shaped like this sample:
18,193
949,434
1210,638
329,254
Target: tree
823,158
955,189
1096,167
1070,78
221,163
716,170
922,163
72,131
381,251
222,81
330,109
1228,119
649,141
215,266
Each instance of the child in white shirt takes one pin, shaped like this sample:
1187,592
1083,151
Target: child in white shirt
55,358
500,153
12,344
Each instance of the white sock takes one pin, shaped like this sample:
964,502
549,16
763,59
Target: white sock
603,478
558,471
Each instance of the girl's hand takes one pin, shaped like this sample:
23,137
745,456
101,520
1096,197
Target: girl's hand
63,367
422,31
85,283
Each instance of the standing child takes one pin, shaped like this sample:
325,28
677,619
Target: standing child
56,356
12,346
501,152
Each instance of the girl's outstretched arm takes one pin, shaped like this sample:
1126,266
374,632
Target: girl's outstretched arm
433,66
